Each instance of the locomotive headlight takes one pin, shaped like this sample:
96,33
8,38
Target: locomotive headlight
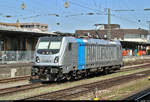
56,59
37,59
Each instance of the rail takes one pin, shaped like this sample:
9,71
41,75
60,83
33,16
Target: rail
29,87
139,95
76,91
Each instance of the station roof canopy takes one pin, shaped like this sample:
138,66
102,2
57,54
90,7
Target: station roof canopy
133,42
133,45
11,32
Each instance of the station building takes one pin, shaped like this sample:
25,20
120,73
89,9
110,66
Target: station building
132,40
135,35
21,36
28,26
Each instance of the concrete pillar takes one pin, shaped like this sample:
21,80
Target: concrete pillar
26,43
21,43
34,43
13,73
7,44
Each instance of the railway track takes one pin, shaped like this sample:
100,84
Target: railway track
14,79
10,90
139,96
137,62
27,87
69,93
27,77
127,68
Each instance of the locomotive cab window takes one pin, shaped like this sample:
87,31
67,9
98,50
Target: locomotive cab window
49,45
54,45
70,46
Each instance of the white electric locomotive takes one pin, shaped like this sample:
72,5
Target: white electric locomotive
58,58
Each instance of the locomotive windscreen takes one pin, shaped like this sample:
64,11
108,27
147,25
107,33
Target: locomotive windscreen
49,45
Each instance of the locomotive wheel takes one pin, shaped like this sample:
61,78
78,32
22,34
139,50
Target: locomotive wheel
78,76
106,71
85,74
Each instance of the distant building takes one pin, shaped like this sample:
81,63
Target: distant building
137,35
27,26
105,26
19,40
42,27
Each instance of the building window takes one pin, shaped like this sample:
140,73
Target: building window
132,36
37,26
142,36
42,26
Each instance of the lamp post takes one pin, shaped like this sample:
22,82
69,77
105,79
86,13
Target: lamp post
148,37
109,20
109,27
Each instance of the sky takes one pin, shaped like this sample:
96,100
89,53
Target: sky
76,16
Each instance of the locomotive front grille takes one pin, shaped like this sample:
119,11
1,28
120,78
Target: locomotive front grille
45,59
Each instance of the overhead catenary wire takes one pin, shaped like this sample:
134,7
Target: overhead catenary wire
95,4
103,13
60,15
96,10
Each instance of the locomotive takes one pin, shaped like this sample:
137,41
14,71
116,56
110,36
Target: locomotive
58,58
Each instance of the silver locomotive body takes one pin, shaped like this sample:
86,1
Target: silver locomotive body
57,58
